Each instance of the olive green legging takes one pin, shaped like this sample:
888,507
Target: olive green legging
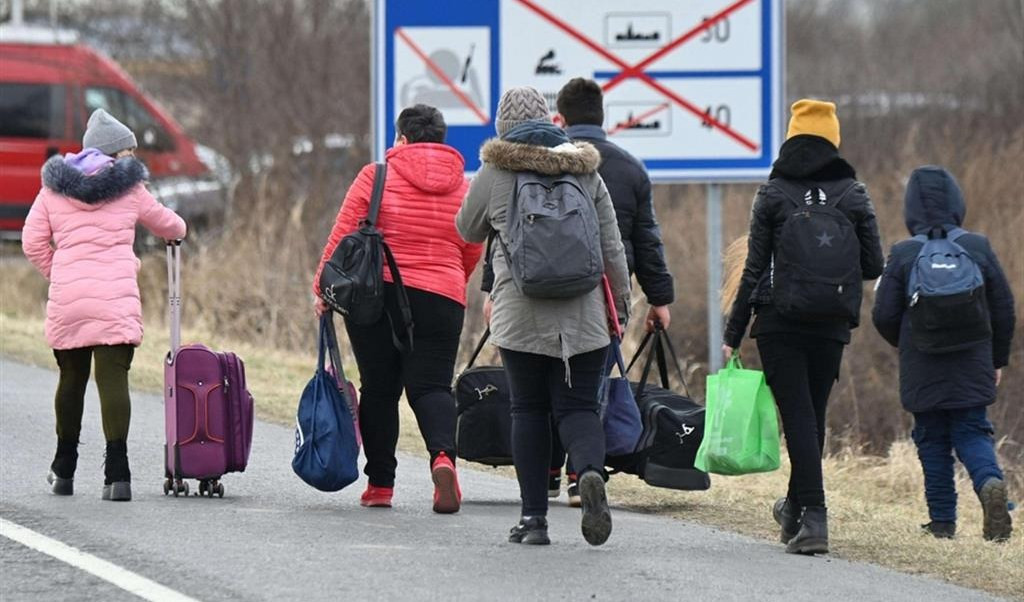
112,365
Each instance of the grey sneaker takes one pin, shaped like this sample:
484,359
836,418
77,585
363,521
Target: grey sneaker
120,491
597,517
60,486
998,525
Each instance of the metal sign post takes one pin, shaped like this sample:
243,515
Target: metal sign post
714,235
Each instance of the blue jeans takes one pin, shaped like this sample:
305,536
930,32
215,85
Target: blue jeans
940,432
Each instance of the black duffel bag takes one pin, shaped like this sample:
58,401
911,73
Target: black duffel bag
673,426
483,431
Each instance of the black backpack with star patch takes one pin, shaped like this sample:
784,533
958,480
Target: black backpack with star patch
815,272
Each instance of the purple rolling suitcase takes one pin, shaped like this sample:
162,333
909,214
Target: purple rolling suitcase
208,410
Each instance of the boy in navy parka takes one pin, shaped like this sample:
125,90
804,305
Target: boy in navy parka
949,393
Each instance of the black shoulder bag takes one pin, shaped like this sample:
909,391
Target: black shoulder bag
352,281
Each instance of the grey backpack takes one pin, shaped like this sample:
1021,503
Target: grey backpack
553,240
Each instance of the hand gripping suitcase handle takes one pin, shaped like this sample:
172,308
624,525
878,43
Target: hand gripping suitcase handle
174,293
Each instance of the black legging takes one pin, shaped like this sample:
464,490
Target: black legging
539,392
801,370
425,373
112,365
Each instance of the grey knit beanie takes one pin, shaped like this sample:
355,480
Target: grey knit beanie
106,134
519,105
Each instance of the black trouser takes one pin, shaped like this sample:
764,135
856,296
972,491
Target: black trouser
540,391
801,370
112,365
558,456
425,373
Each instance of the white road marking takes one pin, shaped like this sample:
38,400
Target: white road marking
121,577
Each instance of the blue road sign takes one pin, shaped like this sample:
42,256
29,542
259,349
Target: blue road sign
694,89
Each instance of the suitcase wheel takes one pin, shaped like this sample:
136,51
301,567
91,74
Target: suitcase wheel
211,487
176,487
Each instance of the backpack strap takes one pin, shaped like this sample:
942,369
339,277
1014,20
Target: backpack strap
379,176
950,233
403,302
789,189
954,233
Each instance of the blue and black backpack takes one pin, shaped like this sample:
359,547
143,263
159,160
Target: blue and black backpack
946,295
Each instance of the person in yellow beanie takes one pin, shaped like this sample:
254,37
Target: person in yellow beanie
814,118
813,240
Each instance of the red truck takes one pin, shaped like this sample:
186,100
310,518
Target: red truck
47,92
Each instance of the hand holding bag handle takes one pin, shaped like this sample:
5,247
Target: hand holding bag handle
661,340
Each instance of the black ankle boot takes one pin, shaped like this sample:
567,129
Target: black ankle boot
812,538
531,530
117,485
62,470
940,529
786,513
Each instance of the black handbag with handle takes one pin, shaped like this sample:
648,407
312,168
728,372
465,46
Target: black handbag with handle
673,425
352,281
483,431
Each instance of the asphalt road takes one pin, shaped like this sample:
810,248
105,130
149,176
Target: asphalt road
274,538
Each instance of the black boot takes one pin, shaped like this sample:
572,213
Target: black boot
62,470
812,538
531,530
117,486
786,514
997,522
940,529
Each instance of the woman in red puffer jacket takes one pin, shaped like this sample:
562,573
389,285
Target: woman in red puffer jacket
423,190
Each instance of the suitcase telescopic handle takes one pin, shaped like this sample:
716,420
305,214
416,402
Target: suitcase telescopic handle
174,293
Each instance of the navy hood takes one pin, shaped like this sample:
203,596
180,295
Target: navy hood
538,133
105,185
933,199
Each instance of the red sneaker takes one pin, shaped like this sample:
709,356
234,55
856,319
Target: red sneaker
447,495
377,497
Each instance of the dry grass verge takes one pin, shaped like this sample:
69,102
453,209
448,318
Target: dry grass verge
876,502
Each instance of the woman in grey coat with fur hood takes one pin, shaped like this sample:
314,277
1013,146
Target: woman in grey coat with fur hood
554,350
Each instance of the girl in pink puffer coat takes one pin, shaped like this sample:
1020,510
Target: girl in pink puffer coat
79,235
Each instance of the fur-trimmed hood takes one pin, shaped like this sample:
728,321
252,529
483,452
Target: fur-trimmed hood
576,157
106,185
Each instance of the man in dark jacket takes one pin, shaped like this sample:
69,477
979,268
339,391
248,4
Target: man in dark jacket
948,393
580,103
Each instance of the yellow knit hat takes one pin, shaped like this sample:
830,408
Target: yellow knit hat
816,118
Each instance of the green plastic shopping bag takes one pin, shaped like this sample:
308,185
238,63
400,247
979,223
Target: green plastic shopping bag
741,431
